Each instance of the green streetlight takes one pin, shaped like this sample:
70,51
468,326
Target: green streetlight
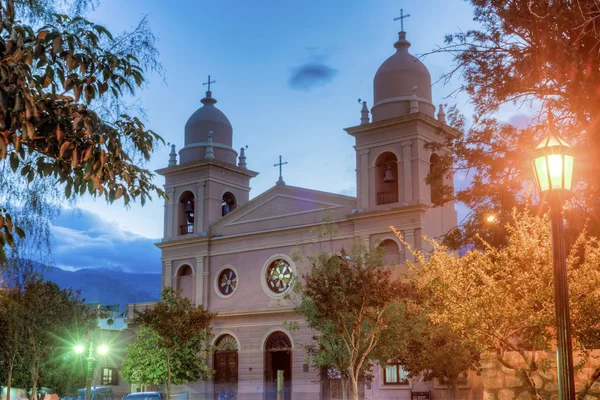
553,167
102,351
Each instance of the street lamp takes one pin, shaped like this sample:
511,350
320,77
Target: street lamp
102,350
553,167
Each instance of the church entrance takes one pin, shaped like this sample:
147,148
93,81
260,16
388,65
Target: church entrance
226,368
278,357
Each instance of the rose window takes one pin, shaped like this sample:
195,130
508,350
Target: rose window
279,276
227,281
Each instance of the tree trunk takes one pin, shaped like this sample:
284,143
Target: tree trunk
344,387
168,351
454,391
35,370
354,385
9,379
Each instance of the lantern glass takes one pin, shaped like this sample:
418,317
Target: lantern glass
541,173
554,171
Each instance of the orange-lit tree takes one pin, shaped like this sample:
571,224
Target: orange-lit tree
525,52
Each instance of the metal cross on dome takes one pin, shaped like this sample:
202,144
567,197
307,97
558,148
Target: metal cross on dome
208,83
401,18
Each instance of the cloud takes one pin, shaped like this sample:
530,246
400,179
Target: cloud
311,75
84,240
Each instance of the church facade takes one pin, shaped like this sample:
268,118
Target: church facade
235,255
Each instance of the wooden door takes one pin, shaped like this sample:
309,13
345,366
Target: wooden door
226,366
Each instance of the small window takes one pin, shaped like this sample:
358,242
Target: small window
394,374
110,376
227,282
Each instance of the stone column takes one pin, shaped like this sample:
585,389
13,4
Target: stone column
168,274
364,179
406,163
199,297
409,237
199,211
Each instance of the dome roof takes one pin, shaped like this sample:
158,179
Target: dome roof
395,80
204,121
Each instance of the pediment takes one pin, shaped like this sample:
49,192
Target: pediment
282,205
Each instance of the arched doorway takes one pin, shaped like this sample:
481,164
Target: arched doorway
226,367
278,357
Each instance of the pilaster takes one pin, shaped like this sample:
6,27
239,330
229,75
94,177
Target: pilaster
168,274
199,212
407,166
199,295
364,178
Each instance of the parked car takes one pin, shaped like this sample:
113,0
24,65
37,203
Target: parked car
98,393
146,396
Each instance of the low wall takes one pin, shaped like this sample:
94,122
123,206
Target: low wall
502,383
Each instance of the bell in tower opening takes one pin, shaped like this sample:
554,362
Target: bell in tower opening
228,204
186,213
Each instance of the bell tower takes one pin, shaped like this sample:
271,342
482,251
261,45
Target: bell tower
208,182
392,159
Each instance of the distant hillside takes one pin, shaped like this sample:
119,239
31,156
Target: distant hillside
108,286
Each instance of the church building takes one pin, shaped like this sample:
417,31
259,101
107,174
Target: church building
234,255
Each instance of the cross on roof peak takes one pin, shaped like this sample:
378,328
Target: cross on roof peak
401,18
208,83
280,164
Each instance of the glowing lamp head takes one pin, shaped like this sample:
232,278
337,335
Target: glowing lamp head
491,218
553,165
79,349
102,349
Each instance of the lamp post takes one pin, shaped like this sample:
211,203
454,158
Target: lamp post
102,350
553,167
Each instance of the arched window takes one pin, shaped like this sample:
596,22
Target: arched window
226,343
391,252
229,204
185,281
386,178
187,209
436,178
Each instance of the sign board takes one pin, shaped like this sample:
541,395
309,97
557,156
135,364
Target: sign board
420,395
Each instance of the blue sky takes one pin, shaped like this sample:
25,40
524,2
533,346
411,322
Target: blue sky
288,76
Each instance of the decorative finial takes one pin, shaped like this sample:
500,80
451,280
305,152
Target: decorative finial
401,18
172,156
209,153
441,114
208,83
414,101
364,113
242,158
208,99
280,182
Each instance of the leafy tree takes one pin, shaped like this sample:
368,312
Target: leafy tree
145,362
501,300
179,332
524,53
51,316
61,115
38,322
436,352
12,331
354,305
